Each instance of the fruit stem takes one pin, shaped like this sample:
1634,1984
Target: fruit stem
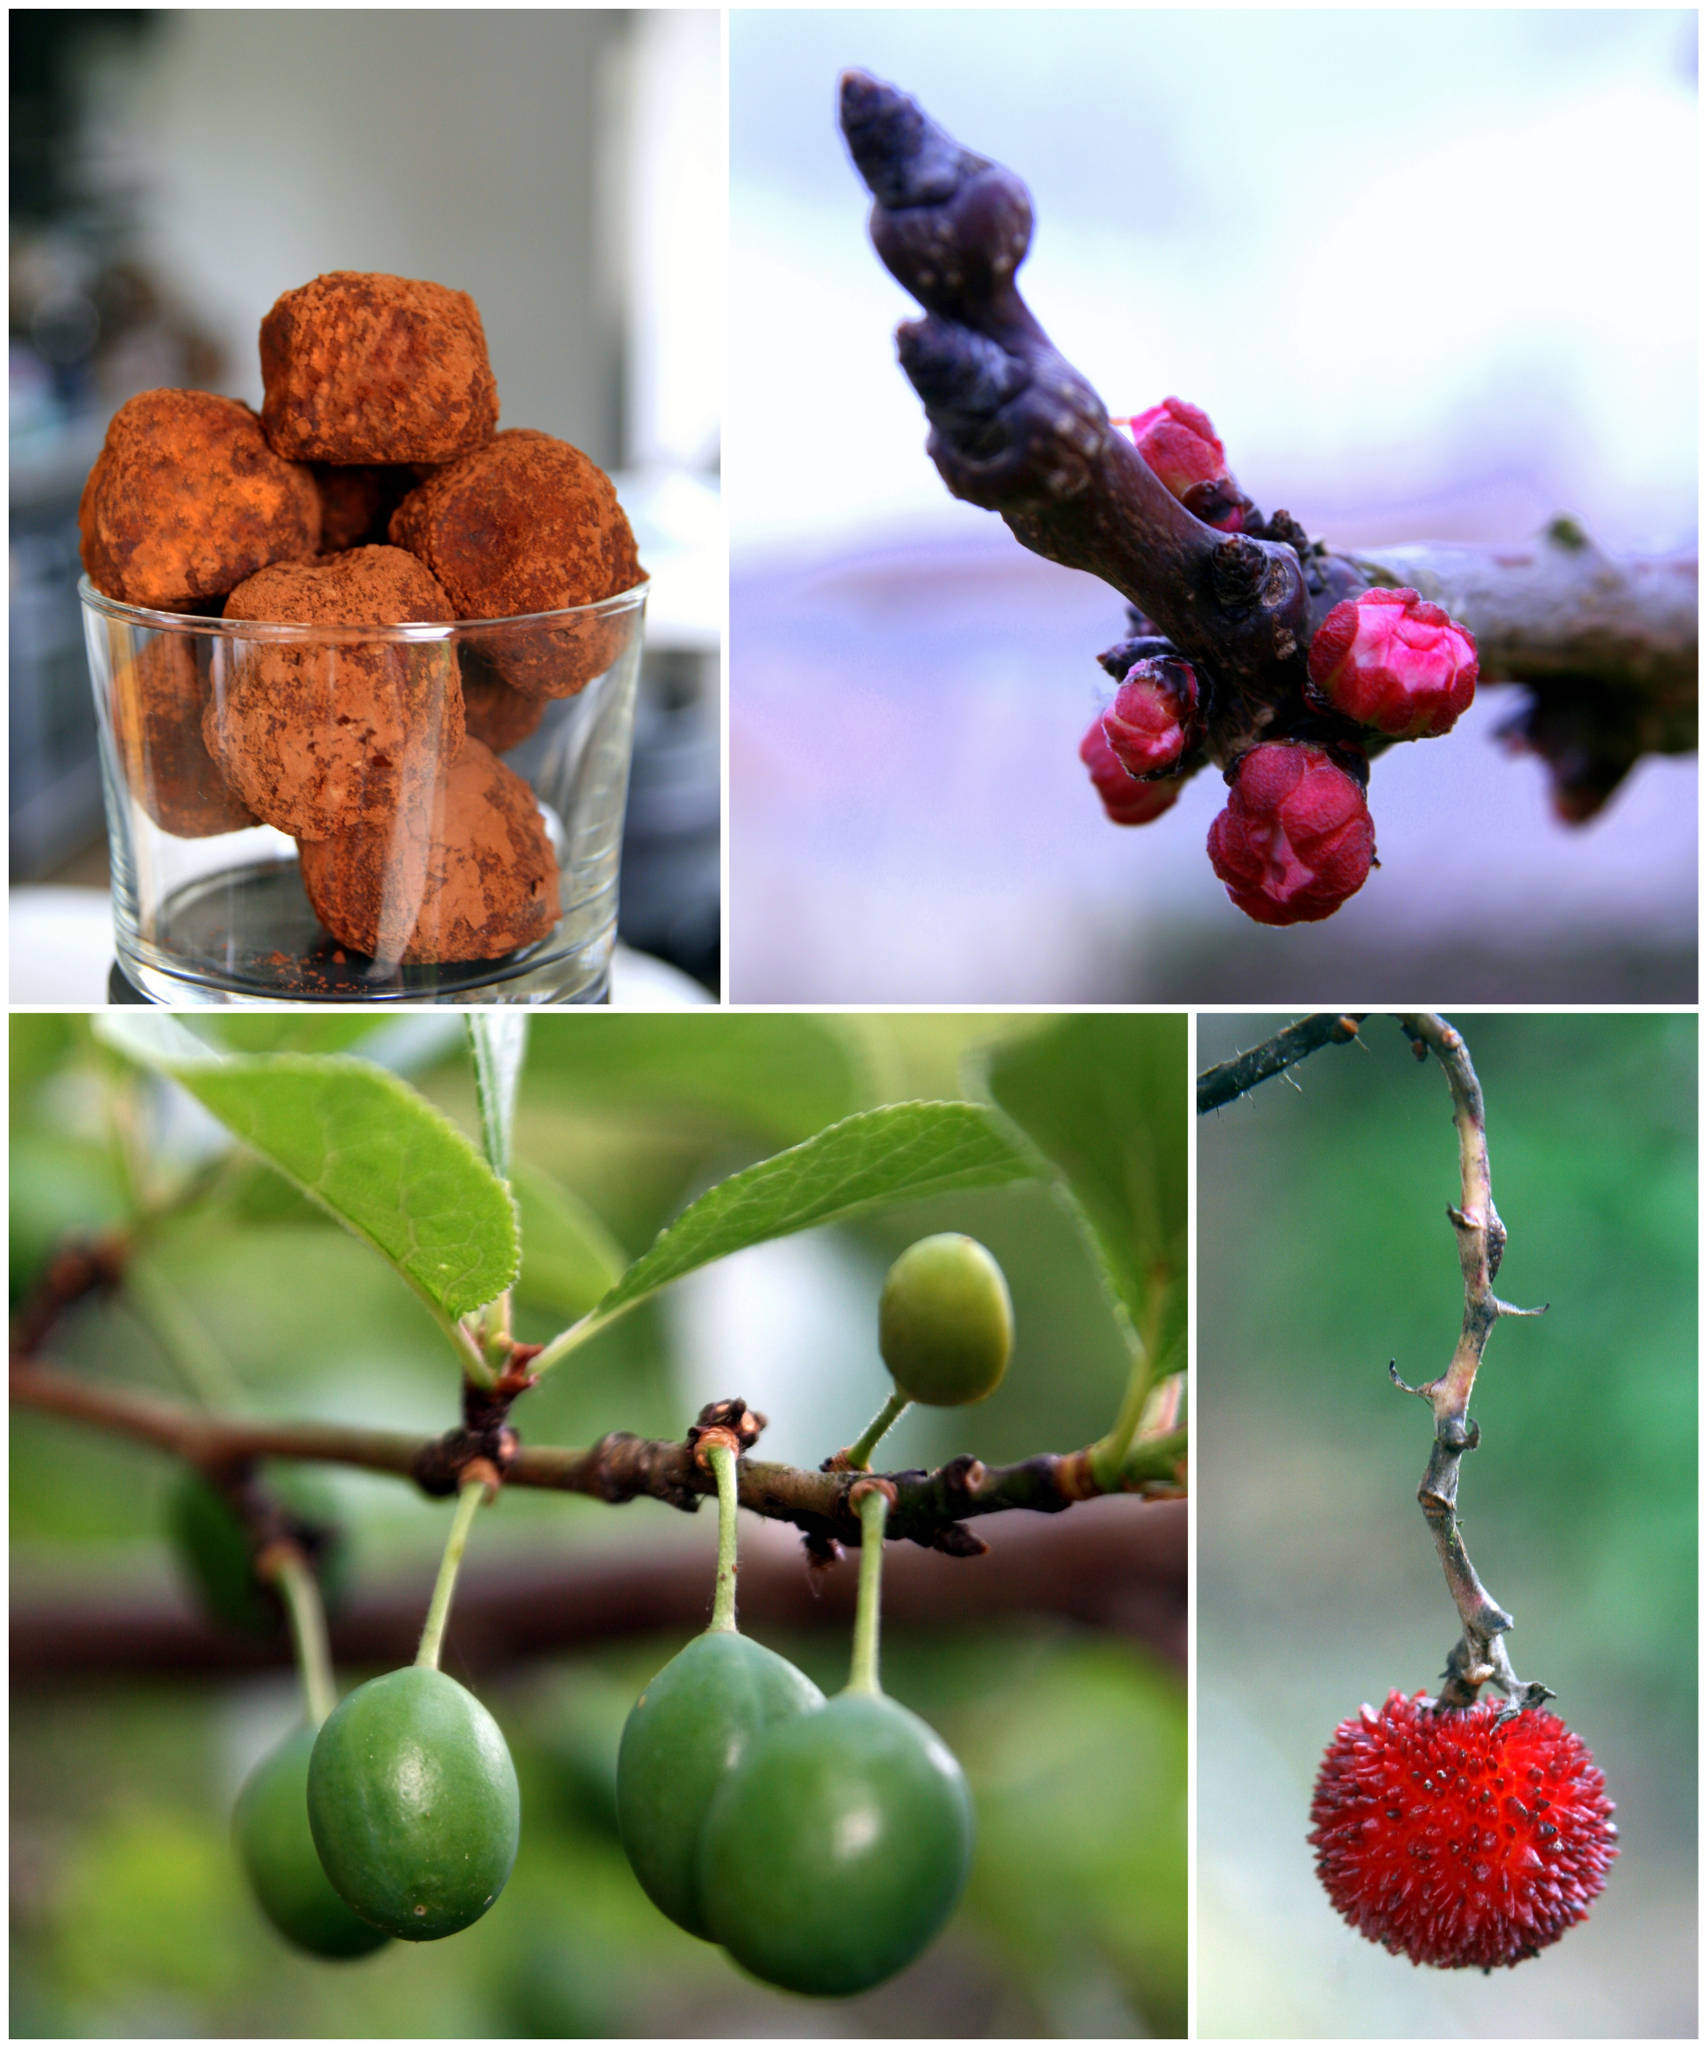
873,1512
474,1491
300,1592
858,1454
1108,1456
722,1461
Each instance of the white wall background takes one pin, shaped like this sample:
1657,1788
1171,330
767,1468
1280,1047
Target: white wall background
560,165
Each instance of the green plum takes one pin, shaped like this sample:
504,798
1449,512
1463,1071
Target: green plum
684,1735
413,1802
945,1324
278,1853
836,1850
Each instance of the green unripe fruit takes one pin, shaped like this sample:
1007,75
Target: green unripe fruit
837,1850
283,1867
684,1735
413,1803
945,1324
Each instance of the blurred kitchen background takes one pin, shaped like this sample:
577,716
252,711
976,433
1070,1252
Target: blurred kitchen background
1324,1252
174,171
1433,274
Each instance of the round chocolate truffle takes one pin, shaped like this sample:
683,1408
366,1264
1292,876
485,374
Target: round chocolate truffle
501,718
186,499
158,699
527,524
320,736
361,367
479,881
357,500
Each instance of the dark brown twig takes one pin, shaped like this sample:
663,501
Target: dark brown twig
1016,429
1218,1086
931,1508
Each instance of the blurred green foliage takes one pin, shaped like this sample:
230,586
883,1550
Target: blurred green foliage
129,1915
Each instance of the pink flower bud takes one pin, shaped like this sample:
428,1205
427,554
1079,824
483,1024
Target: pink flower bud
1296,838
1148,723
1390,659
1181,446
1126,800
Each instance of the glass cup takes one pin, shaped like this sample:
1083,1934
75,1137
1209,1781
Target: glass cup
417,813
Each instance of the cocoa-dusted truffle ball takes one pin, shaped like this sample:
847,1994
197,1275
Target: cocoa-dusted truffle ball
357,500
361,367
495,714
318,737
158,699
186,499
527,524
479,882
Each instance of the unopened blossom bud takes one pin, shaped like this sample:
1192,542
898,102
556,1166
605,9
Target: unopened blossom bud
1296,838
1126,800
1180,445
1149,724
1392,660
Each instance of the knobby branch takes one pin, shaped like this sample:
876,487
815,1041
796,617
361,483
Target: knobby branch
1479,1657
931,1508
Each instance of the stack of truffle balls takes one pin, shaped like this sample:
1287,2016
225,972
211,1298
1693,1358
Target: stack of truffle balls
373,490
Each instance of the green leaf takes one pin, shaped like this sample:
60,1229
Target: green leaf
784,1076
499,1041
1105,1100
569,1258
897,1154
359,1142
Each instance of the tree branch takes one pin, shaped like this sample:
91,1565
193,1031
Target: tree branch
1016,429
1608,648
932,1508
1479,1658
1226,1083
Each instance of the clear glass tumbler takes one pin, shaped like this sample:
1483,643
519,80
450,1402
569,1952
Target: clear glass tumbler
418,813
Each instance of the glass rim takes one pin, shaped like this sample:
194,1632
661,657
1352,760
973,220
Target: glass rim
408,631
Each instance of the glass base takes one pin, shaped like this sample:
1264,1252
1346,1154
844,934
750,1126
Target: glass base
198,959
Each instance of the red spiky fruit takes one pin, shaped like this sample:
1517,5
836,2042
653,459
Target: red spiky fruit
1456,1838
